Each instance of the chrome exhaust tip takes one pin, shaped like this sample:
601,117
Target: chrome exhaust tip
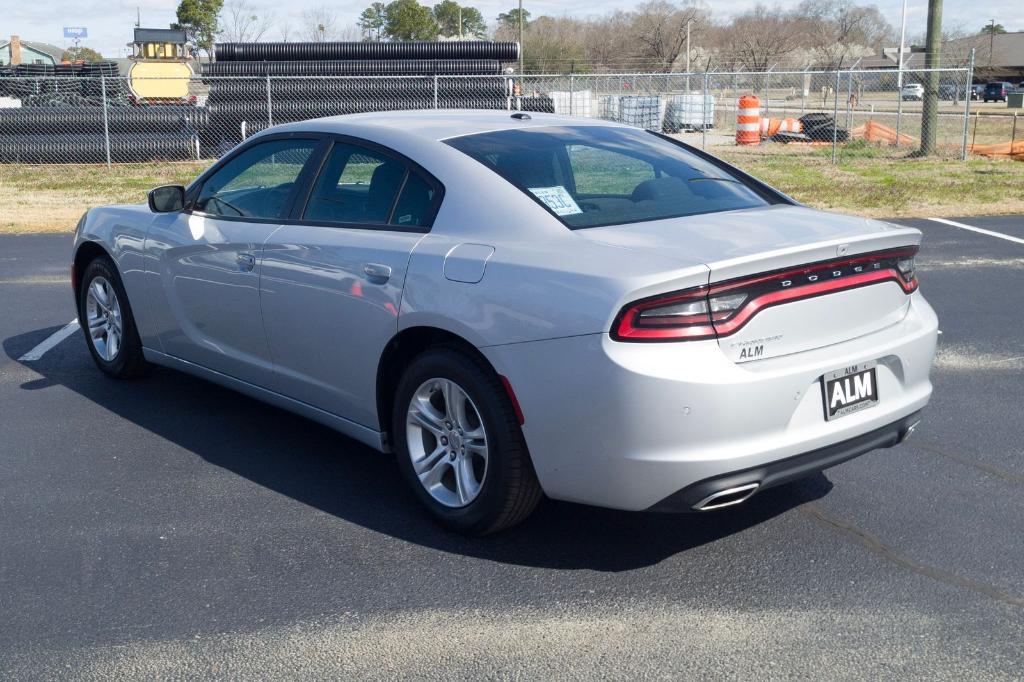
909,431
727,497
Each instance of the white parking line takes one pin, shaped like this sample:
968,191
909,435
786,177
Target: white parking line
979,230
50,342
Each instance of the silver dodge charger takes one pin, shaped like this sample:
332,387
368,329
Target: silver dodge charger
519,305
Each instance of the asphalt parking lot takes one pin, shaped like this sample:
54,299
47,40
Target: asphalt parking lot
166,527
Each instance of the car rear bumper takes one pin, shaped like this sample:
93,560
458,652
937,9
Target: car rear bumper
738,486
633,425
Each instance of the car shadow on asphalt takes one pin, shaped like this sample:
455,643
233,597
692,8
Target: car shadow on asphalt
330,472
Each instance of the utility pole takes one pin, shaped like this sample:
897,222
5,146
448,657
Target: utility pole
460,22
930,105
520,38
688,22
991,39
903,40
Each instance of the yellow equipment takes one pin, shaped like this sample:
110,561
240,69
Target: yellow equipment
160,69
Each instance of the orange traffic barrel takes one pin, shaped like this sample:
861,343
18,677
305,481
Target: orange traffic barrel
748,120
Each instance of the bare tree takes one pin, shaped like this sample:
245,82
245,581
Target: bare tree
285,32
608,41
659,32
758,39
320,24
242,22
838,31
551,44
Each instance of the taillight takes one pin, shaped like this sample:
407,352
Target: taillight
906,267
670,317
723,308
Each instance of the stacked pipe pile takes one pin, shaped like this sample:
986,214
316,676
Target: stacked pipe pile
70,84
75,134
61,118
309,80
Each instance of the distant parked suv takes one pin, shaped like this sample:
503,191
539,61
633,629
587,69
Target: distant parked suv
977,90
949,91
912,91
996,91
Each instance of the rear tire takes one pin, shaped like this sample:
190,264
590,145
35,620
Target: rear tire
107,321
476,437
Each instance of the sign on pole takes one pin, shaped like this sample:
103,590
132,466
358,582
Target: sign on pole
76,32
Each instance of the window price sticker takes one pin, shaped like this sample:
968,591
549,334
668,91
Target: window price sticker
557,199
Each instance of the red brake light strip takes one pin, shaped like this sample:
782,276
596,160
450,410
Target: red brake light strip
629,325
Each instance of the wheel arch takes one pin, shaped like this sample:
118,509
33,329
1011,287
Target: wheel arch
85,253
401,350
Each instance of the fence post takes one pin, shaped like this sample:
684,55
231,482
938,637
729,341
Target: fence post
967,106
849,100
804,87
899,113
767,76
106,123
435,91
835,115
572,92
704,113
270,109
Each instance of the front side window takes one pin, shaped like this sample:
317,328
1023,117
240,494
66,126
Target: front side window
589,176
258,182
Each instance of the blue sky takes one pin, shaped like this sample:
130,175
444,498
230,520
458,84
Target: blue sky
110,21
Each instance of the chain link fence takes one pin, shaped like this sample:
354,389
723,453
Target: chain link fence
100,118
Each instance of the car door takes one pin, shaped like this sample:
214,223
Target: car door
332,277
206,260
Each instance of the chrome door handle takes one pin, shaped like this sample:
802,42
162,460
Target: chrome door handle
246,262
377,273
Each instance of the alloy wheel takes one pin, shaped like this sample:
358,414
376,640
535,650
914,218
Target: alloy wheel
103,317
447,442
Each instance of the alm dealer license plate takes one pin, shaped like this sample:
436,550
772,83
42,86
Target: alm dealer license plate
849,390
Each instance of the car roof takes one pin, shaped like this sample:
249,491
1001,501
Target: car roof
441,124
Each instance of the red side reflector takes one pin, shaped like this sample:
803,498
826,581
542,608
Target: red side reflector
513,398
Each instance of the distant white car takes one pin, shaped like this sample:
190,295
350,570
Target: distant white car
520,303
912,91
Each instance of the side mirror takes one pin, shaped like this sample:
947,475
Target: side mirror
167,199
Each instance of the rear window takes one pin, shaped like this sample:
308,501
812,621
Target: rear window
590,176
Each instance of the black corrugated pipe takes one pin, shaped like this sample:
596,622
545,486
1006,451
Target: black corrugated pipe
453,49
401,67
255,89
92,148
301,110
226,117
72,120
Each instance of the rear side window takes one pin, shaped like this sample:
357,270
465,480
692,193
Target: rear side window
361,186
258,182
414,203
355,185
589,176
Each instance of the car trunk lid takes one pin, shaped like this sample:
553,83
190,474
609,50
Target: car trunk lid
803,278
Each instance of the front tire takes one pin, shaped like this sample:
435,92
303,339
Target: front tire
108,323
459,446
